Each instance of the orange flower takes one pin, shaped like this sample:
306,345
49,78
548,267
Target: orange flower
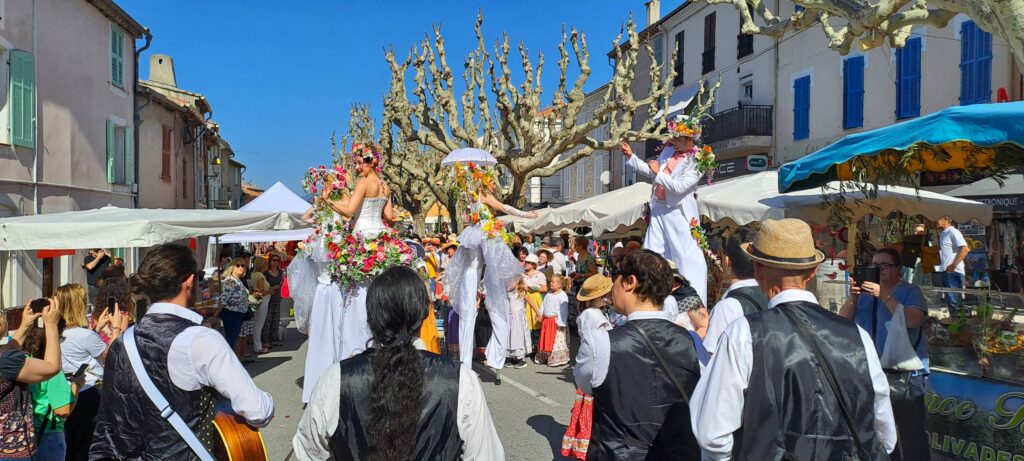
707,149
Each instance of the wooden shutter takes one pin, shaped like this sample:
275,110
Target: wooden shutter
853,92
129,156
165,154
801,108
116,57
22,98
111,151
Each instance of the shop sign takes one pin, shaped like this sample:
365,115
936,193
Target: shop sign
945,178
1002,203
973,418
741,166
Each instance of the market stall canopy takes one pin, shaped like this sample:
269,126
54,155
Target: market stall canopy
112,227
978,136
755,197
586,212
1008,197
278,198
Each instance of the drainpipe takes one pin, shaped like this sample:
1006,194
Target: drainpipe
137,117
38,207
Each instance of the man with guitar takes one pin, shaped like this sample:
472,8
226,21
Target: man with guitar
168,360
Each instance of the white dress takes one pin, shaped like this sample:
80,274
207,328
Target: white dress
355,331
324,319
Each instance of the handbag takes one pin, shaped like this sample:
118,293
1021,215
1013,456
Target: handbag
830,376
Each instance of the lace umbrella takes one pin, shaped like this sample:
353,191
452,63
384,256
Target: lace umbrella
469,154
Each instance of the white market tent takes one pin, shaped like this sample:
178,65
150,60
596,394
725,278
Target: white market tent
112,227
1013,184
587,211
756,197
278,198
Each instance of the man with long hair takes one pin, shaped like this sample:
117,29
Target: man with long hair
188,363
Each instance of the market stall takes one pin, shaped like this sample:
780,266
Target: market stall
278,198
585,212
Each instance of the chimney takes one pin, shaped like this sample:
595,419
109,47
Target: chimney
161,70
653,11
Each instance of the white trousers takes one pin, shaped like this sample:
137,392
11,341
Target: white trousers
355,330
465,304
259,321
324,347
669,235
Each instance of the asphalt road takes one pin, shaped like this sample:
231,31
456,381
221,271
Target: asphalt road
531,407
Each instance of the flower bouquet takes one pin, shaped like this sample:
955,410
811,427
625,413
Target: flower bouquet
706,163
335,180
354,260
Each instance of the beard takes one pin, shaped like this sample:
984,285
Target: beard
190,300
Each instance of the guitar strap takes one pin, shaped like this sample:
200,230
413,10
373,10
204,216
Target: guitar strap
158,399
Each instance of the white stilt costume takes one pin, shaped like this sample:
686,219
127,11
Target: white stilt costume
368,224
673,208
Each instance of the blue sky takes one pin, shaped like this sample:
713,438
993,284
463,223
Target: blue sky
281,79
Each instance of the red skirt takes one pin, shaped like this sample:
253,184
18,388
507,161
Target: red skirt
577,436
548,331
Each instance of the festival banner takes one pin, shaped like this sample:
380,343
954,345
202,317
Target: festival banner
974,418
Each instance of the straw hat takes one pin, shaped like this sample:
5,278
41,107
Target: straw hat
448,245
432,240
594,287
785,244
533,259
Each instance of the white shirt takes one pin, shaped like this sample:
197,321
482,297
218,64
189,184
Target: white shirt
725,312
595,352
82,346
200,357
670,307
716,407
557,262
556,305
320,420
950,242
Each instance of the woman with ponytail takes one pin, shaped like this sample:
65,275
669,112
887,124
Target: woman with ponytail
396,401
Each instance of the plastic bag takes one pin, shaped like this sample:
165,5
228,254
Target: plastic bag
898,353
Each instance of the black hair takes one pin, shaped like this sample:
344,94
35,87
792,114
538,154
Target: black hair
163,270
742,266
396,305
115,287
895,255
653,275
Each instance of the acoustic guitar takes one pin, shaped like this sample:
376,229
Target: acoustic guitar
237,440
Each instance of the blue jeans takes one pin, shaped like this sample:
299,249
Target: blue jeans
953,300
51,447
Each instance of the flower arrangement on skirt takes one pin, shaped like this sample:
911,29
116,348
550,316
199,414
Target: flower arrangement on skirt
354,260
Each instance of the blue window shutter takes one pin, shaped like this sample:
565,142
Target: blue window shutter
801,108
915,83
129,157
908,79
967,59
22,98
111,152
116,56
853,92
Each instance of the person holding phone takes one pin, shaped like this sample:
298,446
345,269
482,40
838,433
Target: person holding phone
81,345
95,263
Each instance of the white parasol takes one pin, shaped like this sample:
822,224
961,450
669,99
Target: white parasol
469,154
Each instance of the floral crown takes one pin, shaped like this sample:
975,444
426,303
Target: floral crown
683,125
320,178
367,152
472,177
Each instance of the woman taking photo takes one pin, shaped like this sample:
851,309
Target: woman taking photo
82,346
234,304
54,399
397,402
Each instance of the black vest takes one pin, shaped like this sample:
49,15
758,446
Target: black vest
437,434
128,425
790,412
638,412
751,299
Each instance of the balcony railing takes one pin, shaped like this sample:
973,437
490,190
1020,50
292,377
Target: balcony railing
739,121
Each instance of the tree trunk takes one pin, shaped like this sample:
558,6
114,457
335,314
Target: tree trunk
453,216
419,223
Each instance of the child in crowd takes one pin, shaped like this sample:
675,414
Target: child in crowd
553,348
519,343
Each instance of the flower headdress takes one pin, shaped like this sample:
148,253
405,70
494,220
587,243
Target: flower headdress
690,126
368,152
474,178
319,179
684,126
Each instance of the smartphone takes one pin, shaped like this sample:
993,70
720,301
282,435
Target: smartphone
865,274
81,371
110,304
141,306
37,305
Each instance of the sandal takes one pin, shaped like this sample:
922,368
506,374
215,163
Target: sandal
262,351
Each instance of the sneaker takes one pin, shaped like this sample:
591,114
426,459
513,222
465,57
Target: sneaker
521,364
509,364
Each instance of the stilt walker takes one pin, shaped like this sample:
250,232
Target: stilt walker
483,254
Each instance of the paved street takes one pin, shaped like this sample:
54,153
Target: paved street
530,408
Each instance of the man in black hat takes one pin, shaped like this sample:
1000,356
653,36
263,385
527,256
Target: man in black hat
794,381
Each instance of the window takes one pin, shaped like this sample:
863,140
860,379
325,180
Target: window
22,98
708,58
581,177
853,92
659,49
744,42
802,108
565,182
120,158
165,154
680,39
599,166
628,173
798,9
908,79
747,89
116,57
975,64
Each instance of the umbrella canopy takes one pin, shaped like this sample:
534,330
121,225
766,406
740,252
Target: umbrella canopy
755,197
277,198
469,154
586,212
112,227
976,137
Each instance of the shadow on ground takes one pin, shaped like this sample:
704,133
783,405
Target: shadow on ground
552,430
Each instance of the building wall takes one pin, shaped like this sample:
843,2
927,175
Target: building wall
155,191
808,55
570,177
